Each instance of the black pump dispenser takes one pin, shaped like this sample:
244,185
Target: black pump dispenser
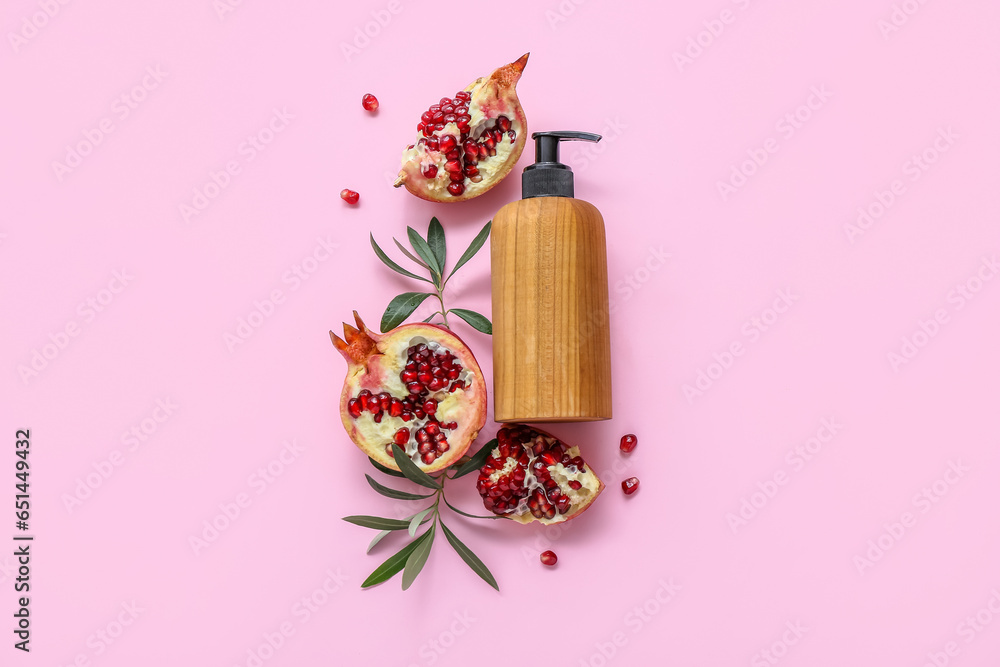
548,177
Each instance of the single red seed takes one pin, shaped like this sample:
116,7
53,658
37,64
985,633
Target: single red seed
430,171
503,123
628,443
428,458
369,102
354,407
402,436
575,485
350,196
430,406
630,485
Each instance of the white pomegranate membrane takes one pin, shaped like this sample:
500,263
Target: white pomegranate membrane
418,408
459,147
531,475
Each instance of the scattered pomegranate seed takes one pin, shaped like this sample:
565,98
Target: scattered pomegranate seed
549,558
369,102
628,443
350,196
630,485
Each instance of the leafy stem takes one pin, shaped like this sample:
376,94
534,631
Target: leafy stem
411,558
430,255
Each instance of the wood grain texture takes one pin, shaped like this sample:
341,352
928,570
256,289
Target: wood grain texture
551,344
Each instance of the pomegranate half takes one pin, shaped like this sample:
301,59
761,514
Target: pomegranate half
468,143
417,386
532,476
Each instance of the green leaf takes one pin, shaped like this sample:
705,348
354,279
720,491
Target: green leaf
425,252
387,471
377,522
378,538
412,472
477,460
473,248
418,519
400,308
393,563
391,264
475,320
435,239
470,558
410,254
393,493
471,516
415,561
432,316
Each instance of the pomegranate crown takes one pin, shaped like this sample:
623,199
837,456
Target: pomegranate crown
357,344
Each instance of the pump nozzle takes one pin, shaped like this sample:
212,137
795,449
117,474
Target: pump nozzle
548,177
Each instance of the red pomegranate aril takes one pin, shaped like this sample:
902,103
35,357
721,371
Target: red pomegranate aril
628,443
448,142
421,127
428,458
354,407
471,170
402,436
437,384
419,414
456,176
452,166
427,117
463,95
451,426
408,376
396,408
350,196
373,403
448,108
630,485
406,416
425,447
444,100
430,171
369,102
437,118
575,485
456,189
483,152
424,378
378,417
421,436
434,108
430,407
512,135
503,123
450,118
442,446
414,387
384,400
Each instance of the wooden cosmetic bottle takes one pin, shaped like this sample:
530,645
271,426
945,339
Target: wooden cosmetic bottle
551,343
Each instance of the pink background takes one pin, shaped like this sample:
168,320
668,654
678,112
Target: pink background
668,576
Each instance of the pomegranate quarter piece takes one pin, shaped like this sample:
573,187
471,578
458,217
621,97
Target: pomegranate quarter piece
468,143
417,386
369,102
628,443
533,476
630,485
549,558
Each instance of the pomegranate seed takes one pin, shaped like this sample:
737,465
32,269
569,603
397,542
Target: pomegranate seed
420,414
373,403
503,123
406,416
431,406
428,458
422,436
448,142
434,108
408,376
427,117
463,95
437,384
384,400
575,485
395,408
420,127
378,417
630,485
456,189
444,101
369,102
354,407
438,117
414,387
452,166
511,135
456,177
453,154
451,426
424,378
628,443
402,436
430,171
442,446
448,108
350,196
450,118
